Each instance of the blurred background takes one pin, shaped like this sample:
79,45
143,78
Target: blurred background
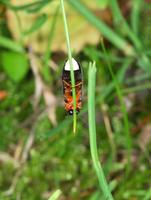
39,153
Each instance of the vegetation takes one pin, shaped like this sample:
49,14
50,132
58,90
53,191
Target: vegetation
108,156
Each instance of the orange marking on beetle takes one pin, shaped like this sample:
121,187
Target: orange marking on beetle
67,87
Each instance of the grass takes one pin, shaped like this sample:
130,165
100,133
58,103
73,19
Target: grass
119,19
71,65
123,107
11,45
58,160
105,30
55,195
47,54
92,133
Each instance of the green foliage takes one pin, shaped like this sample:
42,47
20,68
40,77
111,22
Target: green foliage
29,7
10,44
39,22
105,30
92,132
58,160
103,4
55,195
15,65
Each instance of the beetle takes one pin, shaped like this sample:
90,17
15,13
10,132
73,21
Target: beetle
67,86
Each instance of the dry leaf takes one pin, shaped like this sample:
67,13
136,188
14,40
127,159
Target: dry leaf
145,136
51,103
81,31
41,89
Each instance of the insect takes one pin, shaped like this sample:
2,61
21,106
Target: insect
67,86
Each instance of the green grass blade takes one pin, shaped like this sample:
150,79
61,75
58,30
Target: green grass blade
29,7
92,133
47,55
10,44
105,30
55,195
135,15
123,107
119,20
137,88
71,65
38,23
50,37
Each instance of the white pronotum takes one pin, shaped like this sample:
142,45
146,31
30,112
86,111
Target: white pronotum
74,63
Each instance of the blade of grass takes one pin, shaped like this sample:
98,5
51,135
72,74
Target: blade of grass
19,24
123,108
135,15
50,37
47,54
104,29
137,88
119,19
94,54
92,133
143,60
71,65
34,6
38,23
62,125
108,90
10,44
55,195
137,79
114,38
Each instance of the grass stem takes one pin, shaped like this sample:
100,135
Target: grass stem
47,54
71,65
119,19
123,107
55,195
104,29
92,133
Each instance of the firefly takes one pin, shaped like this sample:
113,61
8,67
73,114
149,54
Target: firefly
67,86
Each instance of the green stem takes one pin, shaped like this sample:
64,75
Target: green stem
105,30
47,54
135,15
19,27
92,133
55,195
137,88
71,65
10,44
119,19
123,108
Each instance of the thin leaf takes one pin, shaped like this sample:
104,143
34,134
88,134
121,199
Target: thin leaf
38,7
105,30
39,22
55,195
10,44
29,7
92,133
